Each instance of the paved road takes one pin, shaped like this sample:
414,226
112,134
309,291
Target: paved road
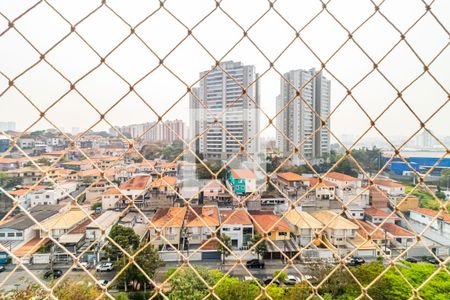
20,278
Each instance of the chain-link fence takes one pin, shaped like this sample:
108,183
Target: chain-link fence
276,224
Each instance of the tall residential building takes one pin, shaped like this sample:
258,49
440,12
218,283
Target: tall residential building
297,121
220,97
8,126
160,133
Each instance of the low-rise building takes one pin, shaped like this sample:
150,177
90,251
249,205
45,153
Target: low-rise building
64,222
267,222
377,216
104,222
401,238
238,226
338,229
303,225
199,224
169,222
242,181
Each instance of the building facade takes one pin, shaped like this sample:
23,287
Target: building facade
223,111
299,117
154,132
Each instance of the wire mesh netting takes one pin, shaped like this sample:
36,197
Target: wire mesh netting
219,213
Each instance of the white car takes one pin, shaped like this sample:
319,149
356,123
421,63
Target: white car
105,267
78,267
103,282
291,280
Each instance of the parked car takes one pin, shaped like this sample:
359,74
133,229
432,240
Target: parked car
53,274
355,261
411,260
268,279
432,260
2,269
291,280
105,267
103,282
79,268
255,264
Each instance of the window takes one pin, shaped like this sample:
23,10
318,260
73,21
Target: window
19,234
2,234
10,234
282,233
225,229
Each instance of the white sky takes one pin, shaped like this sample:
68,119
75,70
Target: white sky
103,30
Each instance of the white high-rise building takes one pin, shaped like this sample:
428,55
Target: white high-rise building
297,121
225,98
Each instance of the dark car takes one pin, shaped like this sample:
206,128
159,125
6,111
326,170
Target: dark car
411,260
432,260
255,264
2,269
53,274
359,260
268,279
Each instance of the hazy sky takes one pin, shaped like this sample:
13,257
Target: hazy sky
104,30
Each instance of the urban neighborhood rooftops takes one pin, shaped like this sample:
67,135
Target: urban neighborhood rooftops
23,221
388,183
66,220
302,219
243,173
233,217
291,176
396,230
169,217
139,182
432,213
265,222
329,219
207,216
341,177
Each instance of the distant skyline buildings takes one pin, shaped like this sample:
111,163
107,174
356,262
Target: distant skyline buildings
8,126
168,132
299,120
221,97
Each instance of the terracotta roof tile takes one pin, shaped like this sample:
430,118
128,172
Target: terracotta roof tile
239,216
265,221
396,230
291,176
243,173
433,213
388,183
136,183
209,216
169,217
341,177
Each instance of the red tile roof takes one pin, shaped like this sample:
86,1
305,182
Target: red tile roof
341,177
432,213
396,230
232,217
208,216
291,176
324,183
169,217
388,183
136,183
375,212
243,173
265,221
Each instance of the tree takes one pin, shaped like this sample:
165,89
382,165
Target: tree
281,276
7,181
148,258
96,205
151,151
261,248
444,179
125,237
186,285
224,246
231,288
300,291
173,151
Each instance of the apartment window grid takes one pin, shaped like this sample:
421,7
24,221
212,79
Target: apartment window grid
246,35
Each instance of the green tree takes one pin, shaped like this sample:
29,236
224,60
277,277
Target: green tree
231,288
173,151
7,181
96,205
224,247
261,248
186,285
151,151
282,276
444,179
125,237
300,291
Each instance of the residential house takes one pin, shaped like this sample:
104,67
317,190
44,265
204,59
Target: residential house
167,168
199,223
104,222
338,229
214,192
242,181
136,189
303,226
439,230
401,238
112,198
267,222
166,185
291,183
169,221
238,226
63,222
377,216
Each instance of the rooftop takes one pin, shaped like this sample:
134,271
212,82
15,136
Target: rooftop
22,221
264,221
164,181
243,173
236,216
207,216
291,176
302,219
432,213
341,177
339,222
30,247
375,212
106,219
388,183
396,230
66,220
169,217
136,183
